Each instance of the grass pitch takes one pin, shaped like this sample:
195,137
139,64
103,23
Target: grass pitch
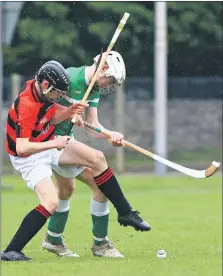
185,215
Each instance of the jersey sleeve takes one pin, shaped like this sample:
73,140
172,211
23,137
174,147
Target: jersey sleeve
94,99
26,119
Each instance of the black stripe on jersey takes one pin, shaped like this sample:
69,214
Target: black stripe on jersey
18,131
35,93
11,122
48,137
36,133
41,114
11,144
43,110
16,106
34,97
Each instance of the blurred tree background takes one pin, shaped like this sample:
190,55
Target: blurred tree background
74,32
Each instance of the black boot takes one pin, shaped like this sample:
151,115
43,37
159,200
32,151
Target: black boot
13,256
134,220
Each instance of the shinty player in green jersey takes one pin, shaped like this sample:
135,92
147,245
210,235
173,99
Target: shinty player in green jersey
92,168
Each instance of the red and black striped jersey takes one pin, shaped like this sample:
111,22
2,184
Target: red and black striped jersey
29,117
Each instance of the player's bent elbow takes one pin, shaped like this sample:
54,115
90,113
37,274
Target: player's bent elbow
20,151
21,147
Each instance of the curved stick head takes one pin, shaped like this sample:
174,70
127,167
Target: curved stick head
212,169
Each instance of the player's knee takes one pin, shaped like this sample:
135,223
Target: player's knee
99,159
70,190
51,205
66,192
65,187
88,175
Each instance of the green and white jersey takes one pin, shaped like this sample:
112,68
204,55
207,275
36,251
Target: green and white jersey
77,89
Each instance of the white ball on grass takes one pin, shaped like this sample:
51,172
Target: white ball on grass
161,254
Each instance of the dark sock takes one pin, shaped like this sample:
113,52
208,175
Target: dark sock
109,186
30,225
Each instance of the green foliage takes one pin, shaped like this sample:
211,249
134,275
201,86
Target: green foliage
195,37
74,32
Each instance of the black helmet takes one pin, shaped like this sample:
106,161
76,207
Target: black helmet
58,79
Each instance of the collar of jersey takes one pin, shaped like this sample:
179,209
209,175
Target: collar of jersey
35,95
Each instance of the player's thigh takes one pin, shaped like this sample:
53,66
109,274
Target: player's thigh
77,153
47,194
65,186
86,176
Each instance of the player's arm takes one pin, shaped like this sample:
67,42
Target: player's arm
91,117
26,120
25,147
63,113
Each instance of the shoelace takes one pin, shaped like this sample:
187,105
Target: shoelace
63,245
135,214
65,248
108,244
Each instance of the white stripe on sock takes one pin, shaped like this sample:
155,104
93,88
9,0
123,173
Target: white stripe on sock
100,239
64,206
56,235
99,209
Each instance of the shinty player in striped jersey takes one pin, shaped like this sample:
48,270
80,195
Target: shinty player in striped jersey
88,161
32,148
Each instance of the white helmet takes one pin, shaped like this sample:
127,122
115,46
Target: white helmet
116,66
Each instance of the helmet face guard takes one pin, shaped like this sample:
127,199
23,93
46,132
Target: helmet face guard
110,87
56,94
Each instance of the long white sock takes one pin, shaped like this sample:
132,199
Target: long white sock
64,205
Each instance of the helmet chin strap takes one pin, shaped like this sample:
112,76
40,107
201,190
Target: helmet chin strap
41,90
48,90
44,93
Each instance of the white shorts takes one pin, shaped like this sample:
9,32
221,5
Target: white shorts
66,170
37,166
